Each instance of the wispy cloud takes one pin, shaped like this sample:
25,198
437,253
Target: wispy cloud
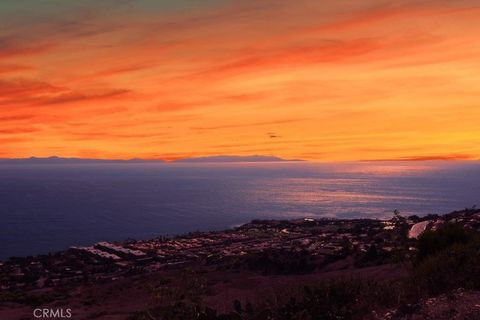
11,47
246,125
81,97
434,157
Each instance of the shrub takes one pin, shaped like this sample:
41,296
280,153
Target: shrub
431,242
456,266
339,299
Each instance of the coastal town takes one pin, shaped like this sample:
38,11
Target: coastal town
323,241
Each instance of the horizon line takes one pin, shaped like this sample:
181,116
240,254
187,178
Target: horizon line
449,158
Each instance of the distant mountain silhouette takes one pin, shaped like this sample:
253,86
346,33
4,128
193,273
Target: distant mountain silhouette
254,158
58,160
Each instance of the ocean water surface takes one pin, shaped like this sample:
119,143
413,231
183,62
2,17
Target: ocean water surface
47,207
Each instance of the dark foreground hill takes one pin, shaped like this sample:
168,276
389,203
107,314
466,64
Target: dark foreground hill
402,268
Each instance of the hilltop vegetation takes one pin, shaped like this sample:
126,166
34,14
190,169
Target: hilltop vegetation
447,259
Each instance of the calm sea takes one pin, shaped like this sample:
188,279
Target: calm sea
50,207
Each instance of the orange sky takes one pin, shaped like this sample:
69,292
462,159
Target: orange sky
318,80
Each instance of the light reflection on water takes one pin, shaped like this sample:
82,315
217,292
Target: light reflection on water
393,168
332,197
43,208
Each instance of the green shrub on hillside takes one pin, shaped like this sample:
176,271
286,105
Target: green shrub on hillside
457,266
432,242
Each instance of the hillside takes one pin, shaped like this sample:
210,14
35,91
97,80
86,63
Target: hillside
266,269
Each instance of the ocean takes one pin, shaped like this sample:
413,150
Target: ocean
47,207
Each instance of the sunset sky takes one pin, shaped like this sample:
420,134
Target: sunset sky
318,80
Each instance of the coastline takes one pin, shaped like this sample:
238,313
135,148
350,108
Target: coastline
327,234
